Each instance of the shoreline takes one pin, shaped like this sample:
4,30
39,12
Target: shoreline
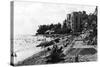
30,58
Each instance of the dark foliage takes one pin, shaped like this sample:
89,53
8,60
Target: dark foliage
55,27
56,55
57,40
48,49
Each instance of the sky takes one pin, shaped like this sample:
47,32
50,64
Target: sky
29,15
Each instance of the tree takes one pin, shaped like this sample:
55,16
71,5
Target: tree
51,26
58,28
65,24
42,29
56,55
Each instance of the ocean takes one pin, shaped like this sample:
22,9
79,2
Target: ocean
25,46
